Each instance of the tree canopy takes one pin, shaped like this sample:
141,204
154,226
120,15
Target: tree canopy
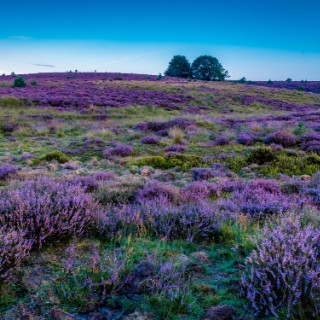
208,68
179,66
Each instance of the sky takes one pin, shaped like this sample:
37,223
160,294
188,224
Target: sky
257,39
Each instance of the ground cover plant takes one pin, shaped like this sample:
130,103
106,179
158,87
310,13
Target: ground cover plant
128,196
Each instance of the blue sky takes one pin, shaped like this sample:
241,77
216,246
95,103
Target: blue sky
256,39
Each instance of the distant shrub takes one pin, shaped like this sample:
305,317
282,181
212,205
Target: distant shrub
261,155
56,155
245,139
34,83
282,137
282,275
150,140
221,141
175,148
300,129
118,149
19,82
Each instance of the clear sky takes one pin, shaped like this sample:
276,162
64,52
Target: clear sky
258,39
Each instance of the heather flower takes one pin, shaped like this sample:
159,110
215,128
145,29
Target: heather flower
118,149
221,141
245,138
202,173
14,248
282,137
27,156
45,209
156,190
6,171
175,148
150,140
199,191
283,274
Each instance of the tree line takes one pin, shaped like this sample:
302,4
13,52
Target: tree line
205,67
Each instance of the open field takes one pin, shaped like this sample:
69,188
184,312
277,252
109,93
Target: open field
128,196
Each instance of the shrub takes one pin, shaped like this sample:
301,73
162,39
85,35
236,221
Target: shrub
282,274
14,248
155,191
19,82
182,161
121,192
261,155
190,222
45,209
282,137
34,83
245,138
199,191
221,141
118,149
7,171
150,140
90,279
56,155
202,173
175,148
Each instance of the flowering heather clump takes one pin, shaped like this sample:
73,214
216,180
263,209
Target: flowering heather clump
14,248
199,191
6,171
190,222
118,149
45,209
282,274
175,148
260,199
282,137
155,191
91,278
202,173
221,141
150,140
245,138
104,175
27,156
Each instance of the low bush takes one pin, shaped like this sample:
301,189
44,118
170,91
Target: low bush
282,137
19,82
261,155
182,161
56,155
282,275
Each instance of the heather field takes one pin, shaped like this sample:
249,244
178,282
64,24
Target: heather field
138,197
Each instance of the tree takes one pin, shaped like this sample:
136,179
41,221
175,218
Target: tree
179,66
19,82
208,68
